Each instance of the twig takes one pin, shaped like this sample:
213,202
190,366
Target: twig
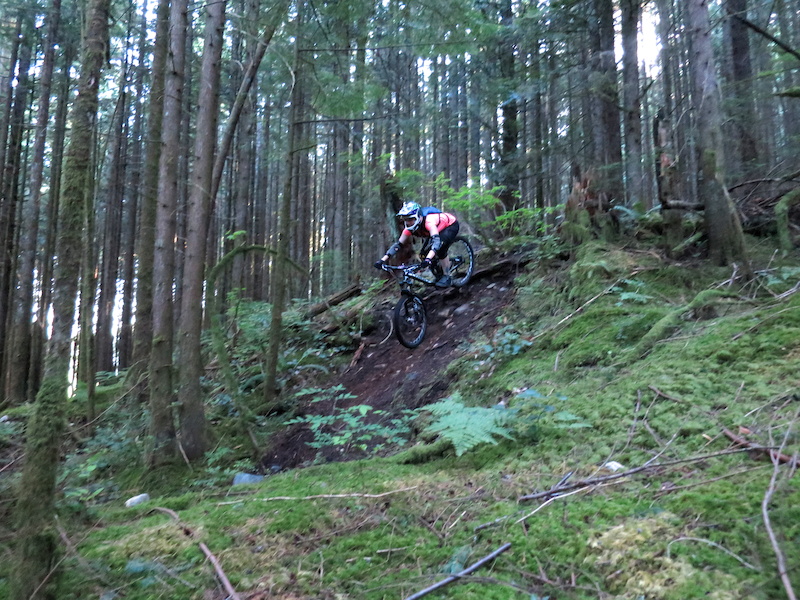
72,549
583,306
768,317
632,428
11,462
776,548
546,502
774,454
220,573
321,496
167,511
680,488
710,543
628,473
460,574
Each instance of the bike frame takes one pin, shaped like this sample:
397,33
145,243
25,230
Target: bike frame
408,277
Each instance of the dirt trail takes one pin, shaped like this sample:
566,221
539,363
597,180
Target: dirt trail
389,376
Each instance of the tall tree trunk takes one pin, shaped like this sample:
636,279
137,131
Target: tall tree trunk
9,199
790,107
131,206
162,425
725,238
280,268
35,553
631,13
741,101
110,241
45,263
605,102
17,382
145,243
190,397
509,137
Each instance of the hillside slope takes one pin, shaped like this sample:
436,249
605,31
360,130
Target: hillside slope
387,376
641,397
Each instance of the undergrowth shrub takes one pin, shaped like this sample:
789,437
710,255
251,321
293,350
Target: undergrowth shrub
353,428
117,445
530,412
468,426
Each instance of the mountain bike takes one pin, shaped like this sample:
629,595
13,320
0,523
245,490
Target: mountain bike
410,317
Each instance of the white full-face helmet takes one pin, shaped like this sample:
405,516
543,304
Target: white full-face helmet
411,215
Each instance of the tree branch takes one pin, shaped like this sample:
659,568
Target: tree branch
766,34
220,573
457,576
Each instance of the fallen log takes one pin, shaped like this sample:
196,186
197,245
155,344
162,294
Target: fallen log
333,300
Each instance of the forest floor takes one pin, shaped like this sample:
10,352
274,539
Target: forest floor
387,376
618,477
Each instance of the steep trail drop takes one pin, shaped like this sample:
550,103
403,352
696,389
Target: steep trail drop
390,377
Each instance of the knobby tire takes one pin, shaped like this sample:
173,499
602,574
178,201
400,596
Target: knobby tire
410,320
462,261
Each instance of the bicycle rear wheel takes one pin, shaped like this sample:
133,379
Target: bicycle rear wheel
462,261
410,321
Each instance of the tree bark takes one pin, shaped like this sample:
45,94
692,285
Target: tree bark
605,103
741,101
190,396
35,553
509,137
280,264
9,199
162,426
634,174
723,228
21,334
110,240
145,243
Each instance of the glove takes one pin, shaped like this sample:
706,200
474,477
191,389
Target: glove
426,263
378,264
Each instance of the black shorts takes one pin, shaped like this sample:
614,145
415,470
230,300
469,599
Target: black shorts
448,236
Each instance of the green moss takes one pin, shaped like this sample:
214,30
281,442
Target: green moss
635,537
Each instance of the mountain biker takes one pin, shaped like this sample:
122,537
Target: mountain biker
429,222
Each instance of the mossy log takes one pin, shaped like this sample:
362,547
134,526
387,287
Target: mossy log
423,453
782,209
664,326
333,300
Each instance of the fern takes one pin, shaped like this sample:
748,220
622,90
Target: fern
468,426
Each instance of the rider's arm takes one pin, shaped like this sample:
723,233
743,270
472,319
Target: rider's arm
404,237
437,243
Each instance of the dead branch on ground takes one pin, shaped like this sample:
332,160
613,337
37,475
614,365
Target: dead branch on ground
220,573
325,496
212,559
773,486
775,455
459,575
646,467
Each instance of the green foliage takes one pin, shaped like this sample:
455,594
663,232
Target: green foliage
671,533
10,432
468,426
221,464
780,279
506,342
358,427
629,290
90,472
536,411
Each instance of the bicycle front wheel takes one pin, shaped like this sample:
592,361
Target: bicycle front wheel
462,261
410,321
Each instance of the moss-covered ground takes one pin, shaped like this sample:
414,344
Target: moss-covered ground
615,361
